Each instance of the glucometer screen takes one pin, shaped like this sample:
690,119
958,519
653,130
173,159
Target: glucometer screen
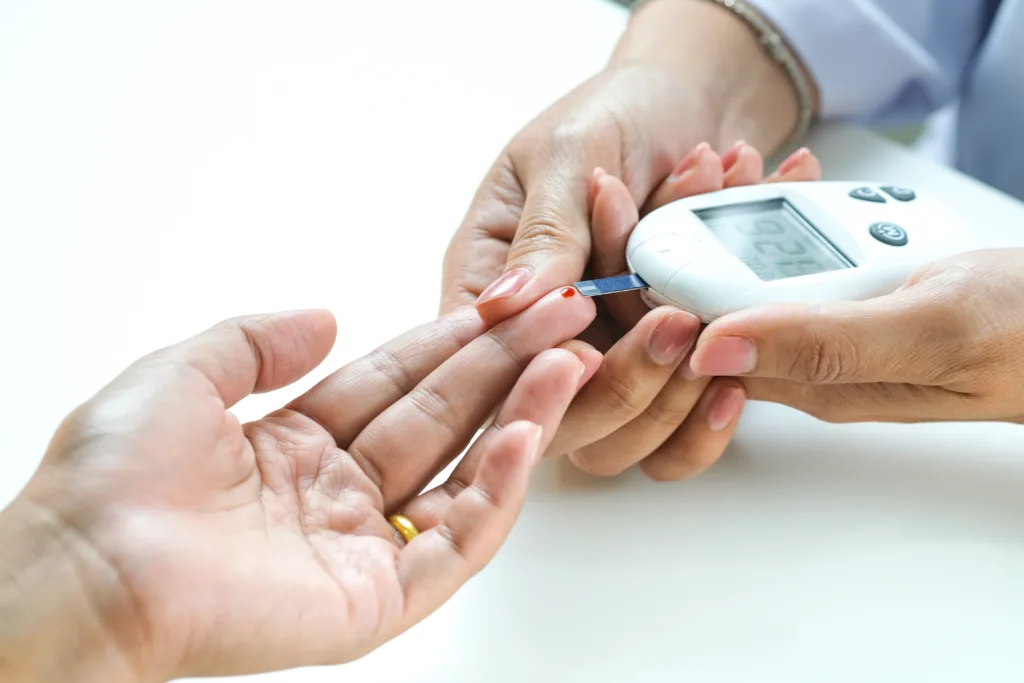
772,239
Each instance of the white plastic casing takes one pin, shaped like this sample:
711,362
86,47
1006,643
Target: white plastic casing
685,265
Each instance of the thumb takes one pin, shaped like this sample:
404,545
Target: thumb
256,353
550,248
900,337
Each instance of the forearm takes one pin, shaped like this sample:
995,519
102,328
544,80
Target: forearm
722,60
58,604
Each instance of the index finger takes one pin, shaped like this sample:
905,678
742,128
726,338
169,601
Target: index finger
414,439
348,399
551,246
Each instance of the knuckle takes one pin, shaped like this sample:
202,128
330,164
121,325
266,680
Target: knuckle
504,349
435,407
825,359
454,543
391,367
546,231
662,414
624,399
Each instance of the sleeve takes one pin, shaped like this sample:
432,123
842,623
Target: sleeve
882,60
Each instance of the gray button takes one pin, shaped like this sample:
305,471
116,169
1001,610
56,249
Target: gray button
889,233
866,194
901,194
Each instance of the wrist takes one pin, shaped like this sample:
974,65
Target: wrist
63,611
719,57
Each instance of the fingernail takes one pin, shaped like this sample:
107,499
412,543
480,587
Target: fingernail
687,372
505,286
594,186
671,339
730,158
535,443
725,408
690,160
792,161
728,356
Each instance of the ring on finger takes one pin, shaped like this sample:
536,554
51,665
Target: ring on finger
406,529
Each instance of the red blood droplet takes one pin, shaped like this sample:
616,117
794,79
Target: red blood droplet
568,292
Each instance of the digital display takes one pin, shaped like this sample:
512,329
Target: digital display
773,239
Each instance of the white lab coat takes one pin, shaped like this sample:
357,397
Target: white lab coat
896,61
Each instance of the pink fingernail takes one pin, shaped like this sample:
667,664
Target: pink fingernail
583,371
535,444
505,286
792,161
732,156
690,160
727,356
672,338
725,408
583,378
687,372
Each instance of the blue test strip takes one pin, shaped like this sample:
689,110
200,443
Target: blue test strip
610,285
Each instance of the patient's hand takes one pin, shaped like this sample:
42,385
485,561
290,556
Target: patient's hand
641,407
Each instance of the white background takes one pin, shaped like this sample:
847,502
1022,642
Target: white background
164,165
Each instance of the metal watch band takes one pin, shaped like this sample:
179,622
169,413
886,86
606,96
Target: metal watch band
776,47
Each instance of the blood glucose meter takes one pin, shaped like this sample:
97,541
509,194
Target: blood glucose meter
810,242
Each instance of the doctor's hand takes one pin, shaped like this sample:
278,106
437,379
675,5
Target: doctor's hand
160,538
642,406
682,73
948,345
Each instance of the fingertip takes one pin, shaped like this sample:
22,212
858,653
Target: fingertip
724,408
704,175
702,439
532,287
724,357
800,166
747,169
320,324
501,299
614,208
290,344
588,355
732,155
690,161
525,439
592,359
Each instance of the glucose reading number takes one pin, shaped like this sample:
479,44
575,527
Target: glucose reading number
772,239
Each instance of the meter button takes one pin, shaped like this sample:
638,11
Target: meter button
900,194
866,194
889,233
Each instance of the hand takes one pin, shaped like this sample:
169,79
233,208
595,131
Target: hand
642,406
948,345
683,72
206,547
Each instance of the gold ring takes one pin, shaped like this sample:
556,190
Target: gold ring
404,526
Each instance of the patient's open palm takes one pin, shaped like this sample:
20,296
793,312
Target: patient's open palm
265,546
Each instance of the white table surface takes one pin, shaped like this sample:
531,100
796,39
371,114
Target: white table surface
167,165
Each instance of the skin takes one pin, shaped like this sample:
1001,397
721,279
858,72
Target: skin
161,539
643,406
948,345
685,71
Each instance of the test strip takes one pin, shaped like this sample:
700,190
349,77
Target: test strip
610,285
